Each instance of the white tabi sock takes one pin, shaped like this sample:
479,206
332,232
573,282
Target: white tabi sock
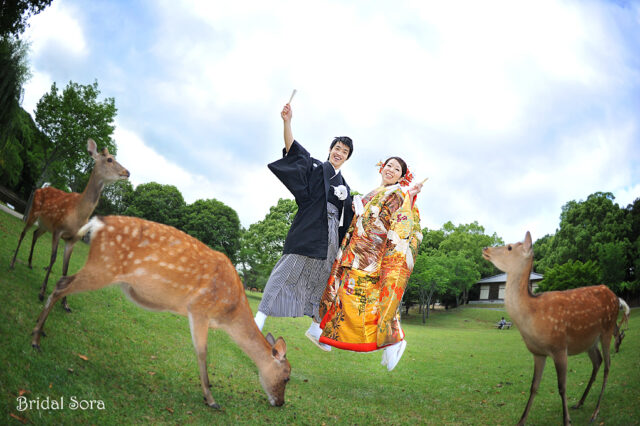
260,319
315,330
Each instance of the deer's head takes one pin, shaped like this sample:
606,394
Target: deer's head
511,257
107,169
275,376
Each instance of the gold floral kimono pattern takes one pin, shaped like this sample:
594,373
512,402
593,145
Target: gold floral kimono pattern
360,305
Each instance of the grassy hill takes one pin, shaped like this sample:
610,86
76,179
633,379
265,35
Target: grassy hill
141,365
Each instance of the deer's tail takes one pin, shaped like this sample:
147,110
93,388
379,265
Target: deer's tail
93,226
625,315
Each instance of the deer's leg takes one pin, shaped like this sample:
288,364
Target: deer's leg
36,234
22,234
560,361
199,330
68,249
605,342
596,360
538,368
54,252
85,280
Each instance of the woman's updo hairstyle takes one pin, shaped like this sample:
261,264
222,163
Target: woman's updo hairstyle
403,165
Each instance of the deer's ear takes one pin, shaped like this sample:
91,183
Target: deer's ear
279,349
527,241
92,147
270,339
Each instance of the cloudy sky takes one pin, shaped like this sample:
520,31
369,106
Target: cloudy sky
510,108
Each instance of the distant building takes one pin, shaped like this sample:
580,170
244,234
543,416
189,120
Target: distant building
492,288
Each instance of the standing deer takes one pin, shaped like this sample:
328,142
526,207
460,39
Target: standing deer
63,213
161,268
557,323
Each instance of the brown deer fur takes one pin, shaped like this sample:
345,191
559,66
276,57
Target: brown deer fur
63,213
556,324
162,268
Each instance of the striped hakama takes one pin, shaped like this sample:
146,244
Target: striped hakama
297,282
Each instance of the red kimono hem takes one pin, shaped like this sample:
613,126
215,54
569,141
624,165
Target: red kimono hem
356,347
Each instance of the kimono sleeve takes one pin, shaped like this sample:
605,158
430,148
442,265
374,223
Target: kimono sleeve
294,169
404,238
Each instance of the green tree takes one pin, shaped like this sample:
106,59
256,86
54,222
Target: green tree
215,224
158,203
633,255
463,275
68,119
572,274
430,277
23,155
612,262
15,13
263,242
541,250
14,72
115,198
469,240
584,227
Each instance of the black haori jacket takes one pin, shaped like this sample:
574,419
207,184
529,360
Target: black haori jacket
308,180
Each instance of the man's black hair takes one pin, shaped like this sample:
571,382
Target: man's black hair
345,140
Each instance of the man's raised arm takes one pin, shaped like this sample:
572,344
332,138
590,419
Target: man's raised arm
286,115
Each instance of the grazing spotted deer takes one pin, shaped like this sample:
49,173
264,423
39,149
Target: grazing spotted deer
63,213
162,268
557,323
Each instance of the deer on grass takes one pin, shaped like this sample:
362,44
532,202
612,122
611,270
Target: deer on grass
161,268
557,323
63,213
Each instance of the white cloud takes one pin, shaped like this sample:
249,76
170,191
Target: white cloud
511,109
57,29
37,86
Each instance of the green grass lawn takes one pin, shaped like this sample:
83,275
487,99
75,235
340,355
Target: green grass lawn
457,369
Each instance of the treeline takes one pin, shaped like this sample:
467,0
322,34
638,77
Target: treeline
597,241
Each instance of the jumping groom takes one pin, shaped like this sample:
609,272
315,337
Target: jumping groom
323,197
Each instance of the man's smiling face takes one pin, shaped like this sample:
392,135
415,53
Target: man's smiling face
338,155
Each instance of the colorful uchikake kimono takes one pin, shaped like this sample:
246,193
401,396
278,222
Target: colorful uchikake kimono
360,304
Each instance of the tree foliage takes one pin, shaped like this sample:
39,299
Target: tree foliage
15,13
263,242
115,198
68,119
431,276
14,71
597,240
215,224
572,274
158,203
448,264
23,156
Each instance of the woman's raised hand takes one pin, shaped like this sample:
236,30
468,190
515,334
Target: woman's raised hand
415,190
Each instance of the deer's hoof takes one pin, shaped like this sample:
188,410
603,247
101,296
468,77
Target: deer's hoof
36,346
66,308
213,405
41,297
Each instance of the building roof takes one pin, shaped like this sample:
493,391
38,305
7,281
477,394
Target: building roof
502,278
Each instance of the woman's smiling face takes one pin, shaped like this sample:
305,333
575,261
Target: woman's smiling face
391,172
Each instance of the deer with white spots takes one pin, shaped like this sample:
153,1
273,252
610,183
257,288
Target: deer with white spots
162,268
557,323
63,213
